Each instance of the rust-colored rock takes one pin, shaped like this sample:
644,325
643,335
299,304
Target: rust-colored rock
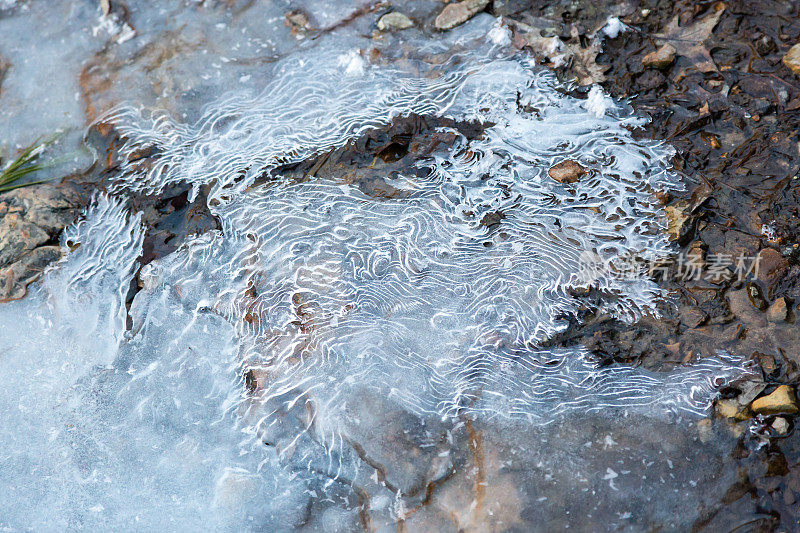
771,266
297,22
778,311
661,58
568,171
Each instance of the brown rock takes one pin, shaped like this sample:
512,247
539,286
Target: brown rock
32,219
15,279
567,171
661,58
771,266
780,401
693,317
792,59
394,21
778,311
743,309
458,13
731,409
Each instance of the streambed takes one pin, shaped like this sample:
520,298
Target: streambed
360,343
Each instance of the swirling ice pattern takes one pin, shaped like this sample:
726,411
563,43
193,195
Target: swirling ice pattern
331,290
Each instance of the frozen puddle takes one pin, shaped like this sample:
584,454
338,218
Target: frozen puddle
336,359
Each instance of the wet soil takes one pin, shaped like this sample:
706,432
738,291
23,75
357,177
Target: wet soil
734,126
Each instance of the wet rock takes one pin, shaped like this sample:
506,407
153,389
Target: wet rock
679,225
508,7
700,194
780,401
792,59
693,317
458,13
568,171
30,220
731,409
394,21
771,266
741,306
661,58
780,425
756,296
778,311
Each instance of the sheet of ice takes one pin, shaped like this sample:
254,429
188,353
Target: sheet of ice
326,348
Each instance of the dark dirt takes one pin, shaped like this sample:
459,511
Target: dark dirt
735,131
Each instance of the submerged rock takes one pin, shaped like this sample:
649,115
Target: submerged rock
394,21
30,220
458,13
771,267
568,171
732,409
297,22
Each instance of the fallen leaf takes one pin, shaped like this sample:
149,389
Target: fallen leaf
688,40
582,62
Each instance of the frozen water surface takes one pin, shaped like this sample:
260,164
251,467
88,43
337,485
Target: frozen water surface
336,360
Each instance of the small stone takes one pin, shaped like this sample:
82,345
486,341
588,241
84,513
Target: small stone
458,13
780,425
568,171
767,363
679,225
394,21
693,317
756,296
792,59
661,58
771,266
779,401
778,311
